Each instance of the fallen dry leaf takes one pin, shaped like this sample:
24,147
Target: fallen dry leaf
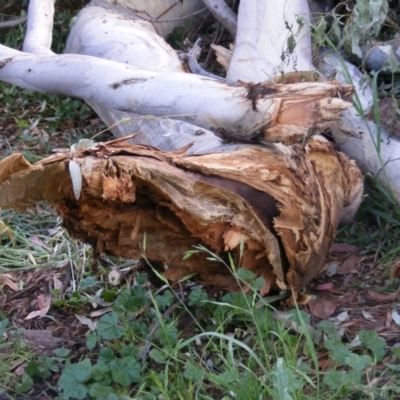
98,313
326,363
378,297
39,242
367,316
348,265
331,266
344,248
324,286
42,341
389,320
395,271
19,371
114,277
57,283
7,280
43,303
342,316
87,321
322,308
396,317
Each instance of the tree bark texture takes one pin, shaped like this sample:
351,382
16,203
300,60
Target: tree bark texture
274,209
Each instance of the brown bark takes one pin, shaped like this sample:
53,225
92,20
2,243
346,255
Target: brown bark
283,203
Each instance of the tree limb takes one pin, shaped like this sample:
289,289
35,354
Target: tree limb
39,29
270,40
373,148
223,14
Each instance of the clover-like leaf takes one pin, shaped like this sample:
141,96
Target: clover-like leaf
125,370
108,327
373,342
73,378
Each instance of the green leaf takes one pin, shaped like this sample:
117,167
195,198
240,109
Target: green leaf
165,300
107,326
373,342
88,282
197,296
299,317
91,341
339,352
61,353
396,352
99,391
193,373
129,350
141,278
335,379
357,362
329,328
25,384
106,355
237,299
22,124
73,378
245,274
228,377
281,380
167,335
158,356
43,367
99,371
3,325
393,367
125,370
108,295
258,284
132,300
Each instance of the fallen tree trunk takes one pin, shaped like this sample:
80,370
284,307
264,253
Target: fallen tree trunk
282,203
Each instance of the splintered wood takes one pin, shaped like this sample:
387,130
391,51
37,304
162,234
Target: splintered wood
280,204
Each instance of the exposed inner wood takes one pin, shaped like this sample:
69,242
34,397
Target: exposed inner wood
282,203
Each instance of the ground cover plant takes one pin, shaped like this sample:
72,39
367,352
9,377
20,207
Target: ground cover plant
72,326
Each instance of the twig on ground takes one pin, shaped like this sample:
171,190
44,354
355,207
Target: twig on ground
13,22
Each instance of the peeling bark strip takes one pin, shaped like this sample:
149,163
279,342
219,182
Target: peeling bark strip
283,203
4,62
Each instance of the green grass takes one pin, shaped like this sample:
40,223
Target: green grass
180,342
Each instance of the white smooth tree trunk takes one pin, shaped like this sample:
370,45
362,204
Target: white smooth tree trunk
271,40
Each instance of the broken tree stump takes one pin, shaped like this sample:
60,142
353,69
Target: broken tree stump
281,205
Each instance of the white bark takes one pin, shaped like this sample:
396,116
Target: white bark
40,27
104,34
263,48
372,147
165,15
201,101
223,14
